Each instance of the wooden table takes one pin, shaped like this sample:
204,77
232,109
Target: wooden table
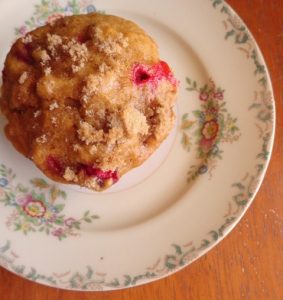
248,264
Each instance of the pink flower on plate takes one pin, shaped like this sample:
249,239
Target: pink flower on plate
69,222
58,232
206,145
219,95
203,96
23,201
23,30
35,208
213,110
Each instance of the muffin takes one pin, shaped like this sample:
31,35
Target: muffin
87,98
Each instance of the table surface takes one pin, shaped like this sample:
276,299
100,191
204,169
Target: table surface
248,264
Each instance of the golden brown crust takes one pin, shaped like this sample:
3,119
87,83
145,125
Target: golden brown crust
87,98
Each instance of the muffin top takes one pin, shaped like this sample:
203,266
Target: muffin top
87,98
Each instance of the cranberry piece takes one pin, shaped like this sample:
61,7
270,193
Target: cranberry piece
90,171
153,74
55,165
166,71
82,38
163,71
100,174
141,74
104,175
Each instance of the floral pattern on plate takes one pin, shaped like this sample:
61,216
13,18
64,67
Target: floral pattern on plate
36,210
212,127
95,281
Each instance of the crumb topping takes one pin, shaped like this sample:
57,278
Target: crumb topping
54,120
89,113
93,150
76,68
47,71
114,121
27,39
91,183
42,139
37,113
89,134
76,147
44,56
135,121
110,45
96,84
70,175
49,86
115,135
92,86
54,41
103,67
78,53
23,78
53,106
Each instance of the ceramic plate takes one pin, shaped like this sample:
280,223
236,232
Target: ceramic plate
186,197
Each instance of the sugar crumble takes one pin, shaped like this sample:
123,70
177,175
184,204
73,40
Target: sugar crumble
135,121
89,134
42,139
93,150
70,175
47,71
78,53
37,113
44,56
89,113
76,147
23,78
92,86
54,41
54,120
27,39
103,68
110,45
53,106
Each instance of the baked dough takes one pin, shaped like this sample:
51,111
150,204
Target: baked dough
87,98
